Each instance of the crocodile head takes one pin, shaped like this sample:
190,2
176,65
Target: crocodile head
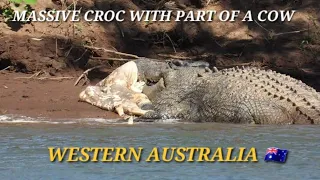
151,71
173,79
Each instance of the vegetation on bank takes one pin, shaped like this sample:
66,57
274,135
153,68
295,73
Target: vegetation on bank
17,5
288,47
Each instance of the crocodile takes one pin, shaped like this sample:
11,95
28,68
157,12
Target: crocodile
233,95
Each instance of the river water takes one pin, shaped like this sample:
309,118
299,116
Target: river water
25,141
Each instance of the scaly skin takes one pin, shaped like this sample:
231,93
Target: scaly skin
246,95
151,70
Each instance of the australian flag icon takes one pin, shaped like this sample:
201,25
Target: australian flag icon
276,154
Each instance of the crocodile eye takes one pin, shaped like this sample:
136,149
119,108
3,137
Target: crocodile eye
149,83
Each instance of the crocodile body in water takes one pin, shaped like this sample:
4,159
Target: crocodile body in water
236,95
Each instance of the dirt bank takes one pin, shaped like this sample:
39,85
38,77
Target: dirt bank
44,98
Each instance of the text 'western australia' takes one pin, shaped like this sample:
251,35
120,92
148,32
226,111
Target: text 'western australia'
156,154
